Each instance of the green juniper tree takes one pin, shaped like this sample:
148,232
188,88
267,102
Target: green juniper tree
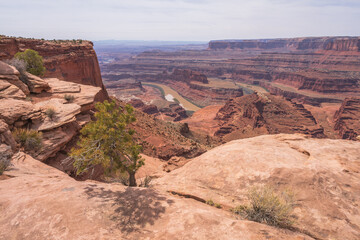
34,62
109,141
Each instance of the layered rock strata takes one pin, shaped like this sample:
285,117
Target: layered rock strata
347,119
62,59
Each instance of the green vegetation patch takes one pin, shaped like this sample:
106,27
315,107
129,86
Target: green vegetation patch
34,62
269,207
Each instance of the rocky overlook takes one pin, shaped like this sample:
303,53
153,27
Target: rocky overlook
322,173
73,61
25,106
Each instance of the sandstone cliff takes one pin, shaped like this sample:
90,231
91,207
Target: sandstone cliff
347,119
73,61
25,105
314,43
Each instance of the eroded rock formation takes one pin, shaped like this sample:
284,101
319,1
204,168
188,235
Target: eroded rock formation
27,105
347,119
254,115
73,61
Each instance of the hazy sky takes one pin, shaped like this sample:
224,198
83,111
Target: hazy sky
178,19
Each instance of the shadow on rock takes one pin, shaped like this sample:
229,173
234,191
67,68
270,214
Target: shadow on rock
134,208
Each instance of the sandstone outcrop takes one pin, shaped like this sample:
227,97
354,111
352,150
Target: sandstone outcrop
36,84
40,202
161,109
12,76
6,137
347,119
258,114
322,173
63,113
186,75
58,128
62,59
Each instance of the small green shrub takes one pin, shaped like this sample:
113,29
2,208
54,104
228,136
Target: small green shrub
69,98
267,206
5,163
123,178
34,62
146,182
30,140
212,203
217,205
50,113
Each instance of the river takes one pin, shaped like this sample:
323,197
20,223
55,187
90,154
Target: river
170,93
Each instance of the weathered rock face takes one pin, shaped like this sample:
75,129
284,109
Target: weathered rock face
161,109
6,137
11,76
259,114
347,119
63,208
36,84
322,173
65,60
187,75
57,130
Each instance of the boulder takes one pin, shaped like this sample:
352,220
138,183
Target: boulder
36,84
10,74
83,94
55,140
8,90
12,110
6,137
58,86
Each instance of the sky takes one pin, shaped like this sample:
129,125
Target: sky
178,20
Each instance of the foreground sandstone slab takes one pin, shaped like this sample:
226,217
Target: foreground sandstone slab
324,175
40,202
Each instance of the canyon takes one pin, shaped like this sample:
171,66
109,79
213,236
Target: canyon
213,123
318,72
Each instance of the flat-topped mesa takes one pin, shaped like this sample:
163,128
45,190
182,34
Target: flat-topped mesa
73,61
187,75
347,119
291,44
